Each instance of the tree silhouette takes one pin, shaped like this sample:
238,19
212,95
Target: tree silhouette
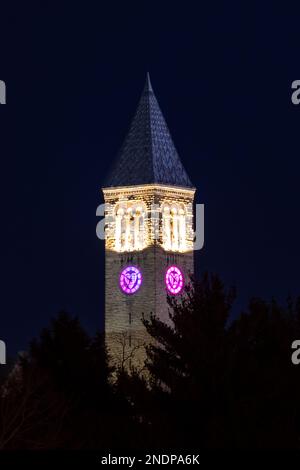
60,392
217,383
212,382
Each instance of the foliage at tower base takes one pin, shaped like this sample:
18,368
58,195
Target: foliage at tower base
58,397
211,382
216,383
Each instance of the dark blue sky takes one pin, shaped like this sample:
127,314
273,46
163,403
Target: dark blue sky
222,73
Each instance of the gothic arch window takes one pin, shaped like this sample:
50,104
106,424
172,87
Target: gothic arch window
130,226
174,226
166,227
139,227
182,227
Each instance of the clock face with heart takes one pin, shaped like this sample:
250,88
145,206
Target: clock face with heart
174,280
130,280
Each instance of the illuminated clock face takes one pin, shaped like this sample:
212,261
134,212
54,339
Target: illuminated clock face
130,280
174,280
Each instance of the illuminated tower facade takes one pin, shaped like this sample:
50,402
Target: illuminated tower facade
148,233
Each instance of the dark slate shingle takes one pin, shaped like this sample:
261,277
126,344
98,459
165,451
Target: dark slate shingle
148,154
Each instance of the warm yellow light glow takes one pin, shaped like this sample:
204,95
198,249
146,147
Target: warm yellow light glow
149,215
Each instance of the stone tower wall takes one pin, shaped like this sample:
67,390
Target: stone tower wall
125,333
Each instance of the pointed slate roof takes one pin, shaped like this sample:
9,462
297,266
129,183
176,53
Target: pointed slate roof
148,154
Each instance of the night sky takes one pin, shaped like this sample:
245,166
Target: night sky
222,73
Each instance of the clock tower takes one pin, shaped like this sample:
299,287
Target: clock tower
148,232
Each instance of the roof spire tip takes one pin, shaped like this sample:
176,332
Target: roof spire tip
148,82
